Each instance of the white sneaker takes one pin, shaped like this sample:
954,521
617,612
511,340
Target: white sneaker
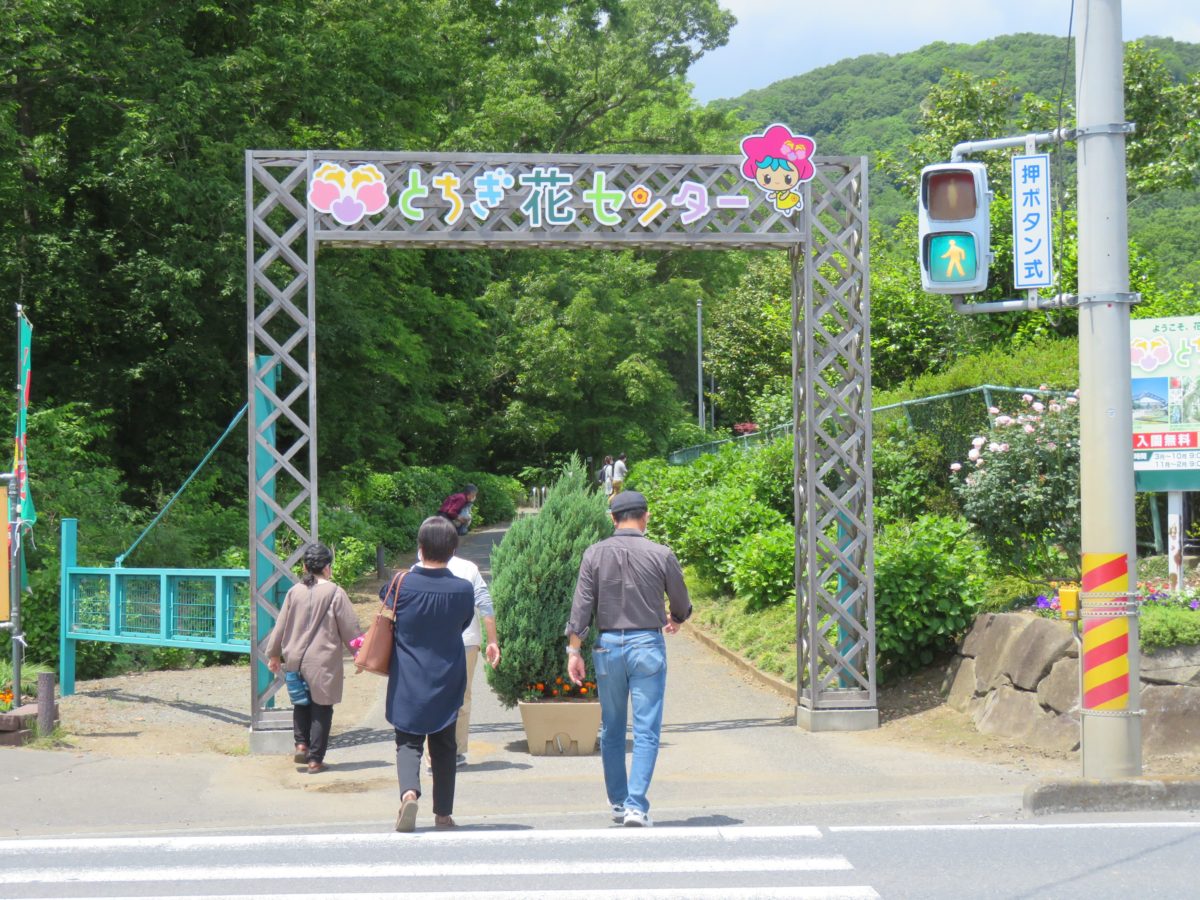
635,818
460,761
618,812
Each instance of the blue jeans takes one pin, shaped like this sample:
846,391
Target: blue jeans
630,663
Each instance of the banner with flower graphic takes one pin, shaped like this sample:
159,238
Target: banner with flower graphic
1165,358
756,198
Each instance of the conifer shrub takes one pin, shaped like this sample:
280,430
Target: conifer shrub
534,570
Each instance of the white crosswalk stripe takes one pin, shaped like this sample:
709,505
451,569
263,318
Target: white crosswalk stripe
837,892
729,863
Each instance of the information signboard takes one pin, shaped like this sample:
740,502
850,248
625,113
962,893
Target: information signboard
1165,359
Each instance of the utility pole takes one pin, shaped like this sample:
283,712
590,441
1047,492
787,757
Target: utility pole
700,361
1111,732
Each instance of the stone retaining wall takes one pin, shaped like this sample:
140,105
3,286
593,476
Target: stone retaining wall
1017,676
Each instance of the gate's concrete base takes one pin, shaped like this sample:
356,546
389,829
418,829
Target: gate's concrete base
271,742
837,719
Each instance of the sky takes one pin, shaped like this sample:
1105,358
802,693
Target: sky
776,39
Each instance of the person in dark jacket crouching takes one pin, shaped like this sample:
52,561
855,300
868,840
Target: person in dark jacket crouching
428,675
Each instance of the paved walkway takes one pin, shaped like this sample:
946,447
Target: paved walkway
730,755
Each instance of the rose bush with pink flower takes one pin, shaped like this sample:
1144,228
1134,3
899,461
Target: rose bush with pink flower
1023,491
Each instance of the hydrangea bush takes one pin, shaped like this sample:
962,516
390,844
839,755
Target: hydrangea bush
1019,485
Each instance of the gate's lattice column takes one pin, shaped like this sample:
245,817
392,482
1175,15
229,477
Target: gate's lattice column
281,362
832,401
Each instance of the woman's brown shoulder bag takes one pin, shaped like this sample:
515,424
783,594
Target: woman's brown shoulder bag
375,654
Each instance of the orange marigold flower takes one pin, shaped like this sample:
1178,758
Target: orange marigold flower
540,686
583,690
558,680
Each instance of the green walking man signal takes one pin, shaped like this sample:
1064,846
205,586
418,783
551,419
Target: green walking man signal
955,232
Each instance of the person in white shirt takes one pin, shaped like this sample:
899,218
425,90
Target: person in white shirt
619,473
485,616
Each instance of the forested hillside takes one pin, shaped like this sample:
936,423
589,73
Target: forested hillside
872,105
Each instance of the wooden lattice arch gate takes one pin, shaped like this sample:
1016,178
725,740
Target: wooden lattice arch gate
296,201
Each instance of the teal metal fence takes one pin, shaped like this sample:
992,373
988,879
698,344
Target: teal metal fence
194,609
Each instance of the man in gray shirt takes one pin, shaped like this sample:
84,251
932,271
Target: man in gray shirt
622,581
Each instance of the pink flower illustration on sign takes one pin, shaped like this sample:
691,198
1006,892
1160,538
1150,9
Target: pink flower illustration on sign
1148,355
779,162
348,196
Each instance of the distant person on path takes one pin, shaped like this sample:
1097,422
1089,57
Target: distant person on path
606,476
457,508
428,676
622,582
485,614
619,473
316,621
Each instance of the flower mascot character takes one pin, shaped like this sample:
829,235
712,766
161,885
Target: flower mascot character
779,162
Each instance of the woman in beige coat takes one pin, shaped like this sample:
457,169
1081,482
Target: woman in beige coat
316,621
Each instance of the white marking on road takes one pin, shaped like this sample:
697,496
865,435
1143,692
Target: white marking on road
808,892
1012,826
119,874
666,834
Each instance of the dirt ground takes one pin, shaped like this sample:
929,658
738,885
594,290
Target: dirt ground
207,711
203,710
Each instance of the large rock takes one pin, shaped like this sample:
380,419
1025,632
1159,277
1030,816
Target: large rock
1042,643
991,657
1175,665
1172,722
1010,713
1052,732
1016,715
973,640
962,688
1059,691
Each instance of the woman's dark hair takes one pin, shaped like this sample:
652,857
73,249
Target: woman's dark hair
316,558
437,539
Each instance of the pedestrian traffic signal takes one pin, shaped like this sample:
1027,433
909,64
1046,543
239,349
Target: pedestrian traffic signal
955,232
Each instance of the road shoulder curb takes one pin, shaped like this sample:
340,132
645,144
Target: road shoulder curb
1082,795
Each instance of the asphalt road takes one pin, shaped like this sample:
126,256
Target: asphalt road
1093,860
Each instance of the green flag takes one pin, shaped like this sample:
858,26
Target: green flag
20,464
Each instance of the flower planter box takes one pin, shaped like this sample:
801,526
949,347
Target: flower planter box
561,729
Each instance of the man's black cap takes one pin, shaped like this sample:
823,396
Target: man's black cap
628,501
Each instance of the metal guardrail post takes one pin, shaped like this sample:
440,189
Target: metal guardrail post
68,558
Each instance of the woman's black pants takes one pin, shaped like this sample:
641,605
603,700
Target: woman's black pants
310,726
443,749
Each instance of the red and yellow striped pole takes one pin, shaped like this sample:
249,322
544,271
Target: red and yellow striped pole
1109,661
1105,631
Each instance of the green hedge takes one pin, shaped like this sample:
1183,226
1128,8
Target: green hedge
1053,362
705,510
387,508
929,576
763,567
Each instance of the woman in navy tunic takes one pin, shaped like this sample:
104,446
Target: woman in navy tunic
428,675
